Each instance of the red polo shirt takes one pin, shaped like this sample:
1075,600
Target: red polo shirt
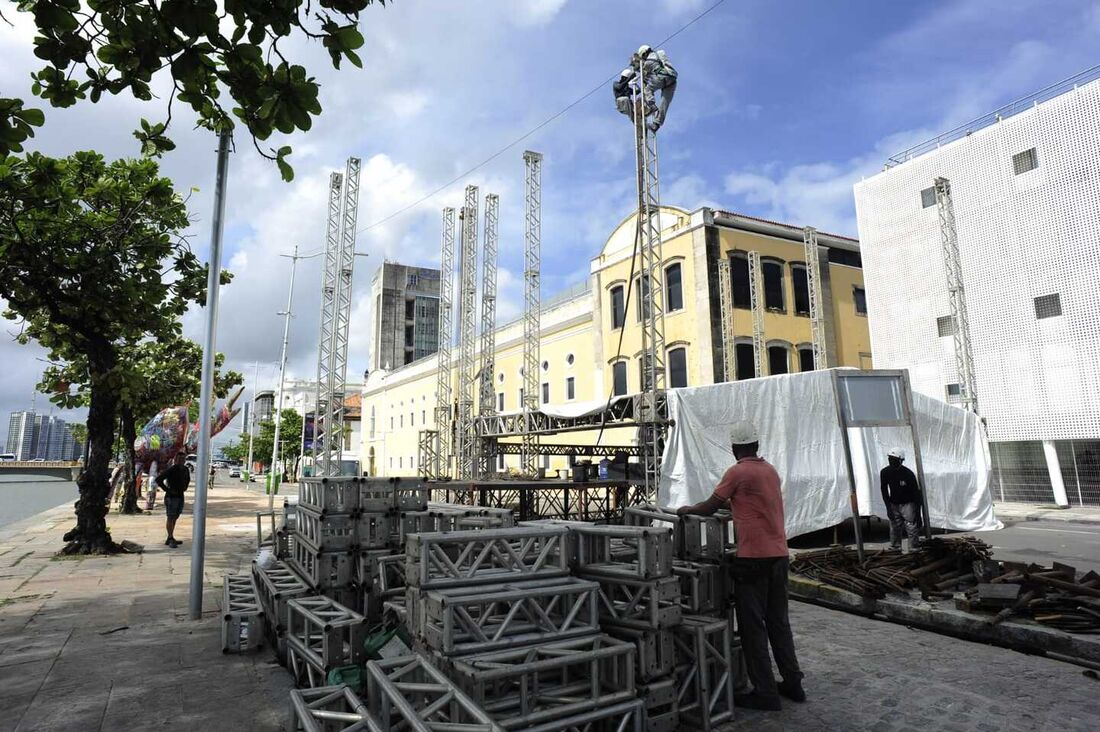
752,488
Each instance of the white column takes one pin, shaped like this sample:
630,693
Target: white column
1055,472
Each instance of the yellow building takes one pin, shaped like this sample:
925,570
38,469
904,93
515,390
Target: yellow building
591,338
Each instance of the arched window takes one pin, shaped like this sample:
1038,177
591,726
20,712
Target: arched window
618,378
805,358
801,282
739,280
618,307
778,361
677,368
746,368
674,288
641,290
772,273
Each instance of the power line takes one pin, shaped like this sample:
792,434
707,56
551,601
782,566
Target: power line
466,173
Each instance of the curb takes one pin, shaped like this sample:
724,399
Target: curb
943,618
1051,516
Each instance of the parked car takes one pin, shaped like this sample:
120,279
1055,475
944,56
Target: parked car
235,472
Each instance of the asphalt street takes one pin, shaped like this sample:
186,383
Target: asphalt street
1044,542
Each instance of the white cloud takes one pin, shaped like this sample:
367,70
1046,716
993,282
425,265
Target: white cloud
528,13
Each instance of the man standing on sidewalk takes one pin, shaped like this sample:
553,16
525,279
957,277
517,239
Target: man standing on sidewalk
901,494
174,482
751,488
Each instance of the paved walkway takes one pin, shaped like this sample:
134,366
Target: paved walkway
1031,512
104,643
864,674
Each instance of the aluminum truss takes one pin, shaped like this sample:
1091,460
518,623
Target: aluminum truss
276,586
652,290
331,709
336,286
817,304
486,393
466,454
441,442
756,303
620,412
507,448
322,635
532,305
625,716
536,684
964,355
703,586
656,649
652,604
598,550
725,307
462,620
408,693
242,615
338,494
459,558
704,672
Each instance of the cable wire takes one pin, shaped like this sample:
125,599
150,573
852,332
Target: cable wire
603,84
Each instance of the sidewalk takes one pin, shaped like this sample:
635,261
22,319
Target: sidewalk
1008,511
105,643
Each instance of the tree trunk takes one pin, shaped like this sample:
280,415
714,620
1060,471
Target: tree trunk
129,435
90,535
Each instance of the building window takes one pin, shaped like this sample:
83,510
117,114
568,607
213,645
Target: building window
674,288
372,421
801,280
412,418
773,285
500,377
400,462
391,462
423,416
521,404
570,388
777,360
401,420
1025,161
746,366
805,359
569,359
500,401
545,365
739,281
860,297
928,197
545,393
677,368
641,286
618,307
953,390
391,421
500,462
545,462
945,326
618,378
1048,306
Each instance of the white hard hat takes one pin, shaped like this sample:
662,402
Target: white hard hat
627,73
644,49
743,432
898,453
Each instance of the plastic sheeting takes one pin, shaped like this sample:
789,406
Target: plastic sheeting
800,435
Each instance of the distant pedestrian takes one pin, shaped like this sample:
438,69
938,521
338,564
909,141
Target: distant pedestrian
751,489
901,494
174,482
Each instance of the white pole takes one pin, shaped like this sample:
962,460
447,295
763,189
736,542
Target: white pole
302,454
252,421
275,473
206,405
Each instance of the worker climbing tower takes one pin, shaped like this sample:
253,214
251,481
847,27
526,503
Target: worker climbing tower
964,355
532,306
336,282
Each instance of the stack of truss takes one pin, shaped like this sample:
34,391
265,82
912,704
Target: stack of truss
242,615
321,636
276,585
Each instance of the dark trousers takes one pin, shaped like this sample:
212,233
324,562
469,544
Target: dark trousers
904,519
760,588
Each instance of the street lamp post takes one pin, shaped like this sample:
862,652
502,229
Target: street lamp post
252,421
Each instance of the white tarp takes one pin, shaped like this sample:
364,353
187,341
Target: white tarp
796,417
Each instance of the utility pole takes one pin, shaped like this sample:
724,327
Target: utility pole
252,419
206,404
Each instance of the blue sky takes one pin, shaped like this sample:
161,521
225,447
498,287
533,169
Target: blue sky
780,108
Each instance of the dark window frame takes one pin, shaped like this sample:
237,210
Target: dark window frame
739,281
678,289
744,355
928,197
857,291
618,371
1025,161
570,388
786,359
770,264
805,290
680,352
618,307
1048,306
805,357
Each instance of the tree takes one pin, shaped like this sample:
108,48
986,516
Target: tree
236,451
118,47
153,374
290,439
92,261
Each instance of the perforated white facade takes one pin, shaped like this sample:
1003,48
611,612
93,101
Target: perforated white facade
1023,234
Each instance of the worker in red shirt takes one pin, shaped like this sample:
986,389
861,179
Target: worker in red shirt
751,489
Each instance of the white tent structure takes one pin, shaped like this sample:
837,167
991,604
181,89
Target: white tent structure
799,418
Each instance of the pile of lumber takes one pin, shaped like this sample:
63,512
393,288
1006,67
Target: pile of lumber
963,568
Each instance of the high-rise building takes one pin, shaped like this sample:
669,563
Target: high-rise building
406,315
20,435
34,436
246,414
265,406
1025,187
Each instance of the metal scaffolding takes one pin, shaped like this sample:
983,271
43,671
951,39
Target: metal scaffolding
756,303
964,356
487,395
336,281
817,306
725,306
532,266
466,454
651,288
444,432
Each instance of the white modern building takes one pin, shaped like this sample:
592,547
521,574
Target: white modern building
1025,186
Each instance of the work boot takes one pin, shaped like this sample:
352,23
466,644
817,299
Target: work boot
754,700
168,541
792,690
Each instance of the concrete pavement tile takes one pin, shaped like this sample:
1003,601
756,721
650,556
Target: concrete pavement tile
30,648
12,708
75,708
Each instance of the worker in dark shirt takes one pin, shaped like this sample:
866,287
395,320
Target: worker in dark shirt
174,482
901,494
